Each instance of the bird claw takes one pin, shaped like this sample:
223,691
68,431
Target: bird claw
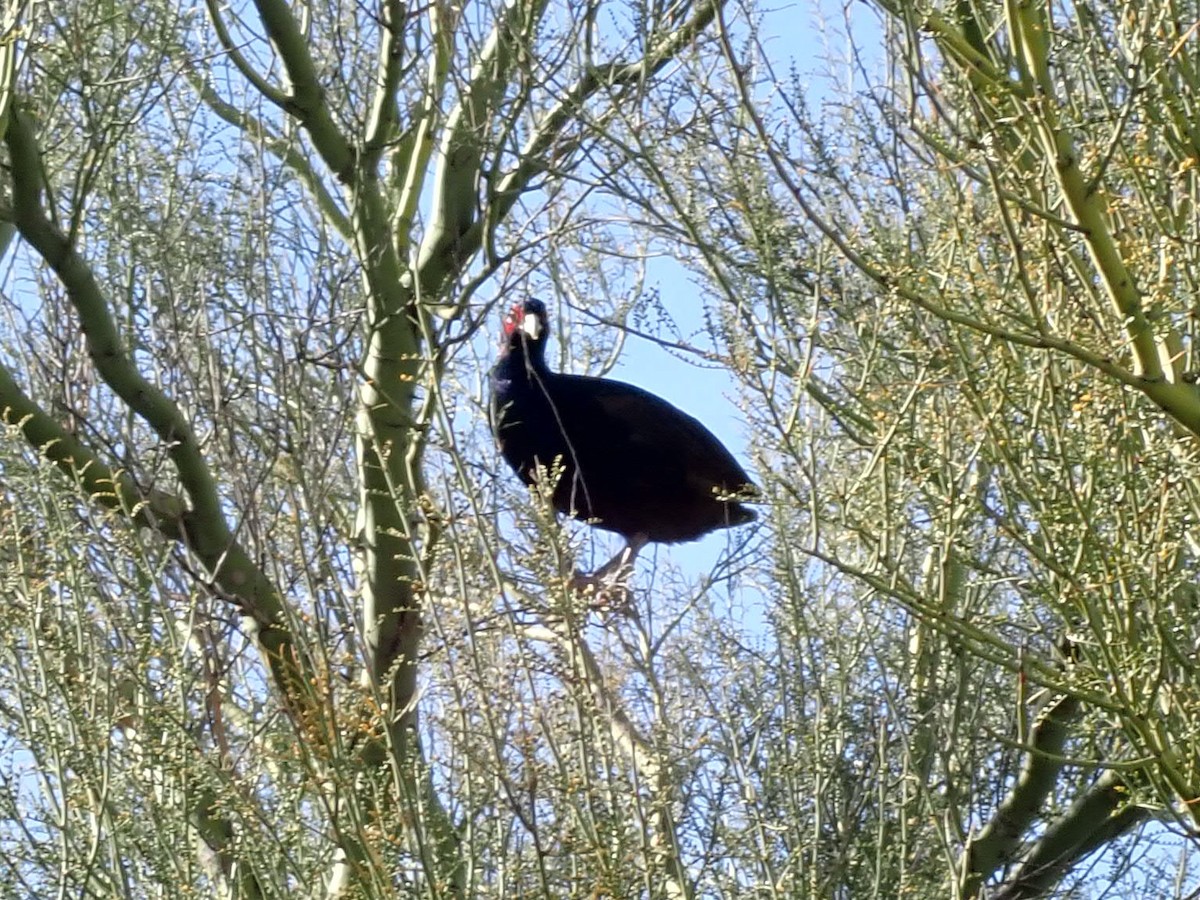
604,592
608,587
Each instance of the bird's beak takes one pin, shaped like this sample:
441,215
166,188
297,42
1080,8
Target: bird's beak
532,326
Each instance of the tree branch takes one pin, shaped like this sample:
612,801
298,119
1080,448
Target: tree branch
447,247
1098,816
307,99
103,343
1001,837
203,528
115,490
450,242
1085,200
1180,401
381,123
280,148
411,160
641,751
260,84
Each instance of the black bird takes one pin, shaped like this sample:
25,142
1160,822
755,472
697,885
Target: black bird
630,462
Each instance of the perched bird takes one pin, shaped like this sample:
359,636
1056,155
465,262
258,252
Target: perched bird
627,461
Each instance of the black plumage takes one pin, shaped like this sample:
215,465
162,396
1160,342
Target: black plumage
630,462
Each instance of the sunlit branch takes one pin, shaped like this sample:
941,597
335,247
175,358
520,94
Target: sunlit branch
1098,816
626,735
1181,401
1000,839
981,642
461,233
382,121
113,489
306,100
410,162
260,84
448,242
104,345
203,528
1085,200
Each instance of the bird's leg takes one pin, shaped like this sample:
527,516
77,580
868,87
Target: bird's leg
622,564
608,581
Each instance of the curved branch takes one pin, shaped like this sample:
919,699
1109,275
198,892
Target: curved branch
453,235
1180,401
1084,200
203,528
626,735
381,124
1000,839
103,342
307,99
112,489
1100,815
260,84
411,160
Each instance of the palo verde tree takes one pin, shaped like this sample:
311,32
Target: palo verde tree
961,298
245,252
251,520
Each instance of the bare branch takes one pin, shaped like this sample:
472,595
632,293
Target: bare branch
1001,838
306,99
1098,816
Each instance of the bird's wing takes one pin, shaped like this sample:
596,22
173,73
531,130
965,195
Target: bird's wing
632,422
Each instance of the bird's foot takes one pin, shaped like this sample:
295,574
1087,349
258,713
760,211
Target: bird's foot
608,587
604,591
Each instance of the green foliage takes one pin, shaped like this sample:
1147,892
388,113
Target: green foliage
275,623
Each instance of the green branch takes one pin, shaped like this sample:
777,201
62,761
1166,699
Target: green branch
381,123
103,342
411,159
260,84
307,98
283,150
233,571
456,238
203,528
978,641
112,489
1000,839
1096,818
1086,201
453,236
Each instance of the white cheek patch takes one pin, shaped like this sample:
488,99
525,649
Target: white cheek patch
532,326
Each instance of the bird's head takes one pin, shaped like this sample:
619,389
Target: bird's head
526,322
